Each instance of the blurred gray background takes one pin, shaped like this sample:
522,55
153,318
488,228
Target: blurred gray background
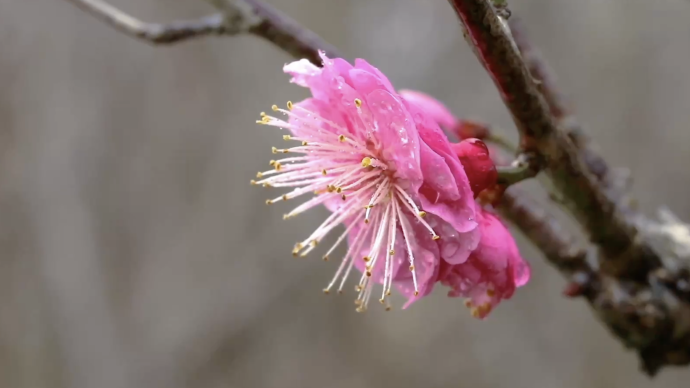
134,253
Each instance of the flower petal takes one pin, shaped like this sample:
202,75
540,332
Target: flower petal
394,129
302,72
364,65
431,107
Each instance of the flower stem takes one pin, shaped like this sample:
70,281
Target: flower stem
509,175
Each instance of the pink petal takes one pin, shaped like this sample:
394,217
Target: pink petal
446,191
397,134
431,107
493,271
455,247
302,71
364,65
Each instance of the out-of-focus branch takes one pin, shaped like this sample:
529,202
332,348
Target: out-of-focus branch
559,247
153,32
234,17
637,296
287,34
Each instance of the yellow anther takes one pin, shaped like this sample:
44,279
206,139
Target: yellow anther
391,252
252,182
388,308
324,172
287,137
314,243
271,162
274,107
330,188
326,291
265,120
416,293
358,288
259,174
422,214
285,151
277,166
325,258
339,190
382,301
435,237
366,259
289,105
266,185
269,202
412,268
342,138
366,162
262,114
388,293
475,312
286,216
358,103
274,150
285,197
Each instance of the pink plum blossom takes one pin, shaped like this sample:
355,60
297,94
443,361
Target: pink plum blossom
384,169
495,268
493,271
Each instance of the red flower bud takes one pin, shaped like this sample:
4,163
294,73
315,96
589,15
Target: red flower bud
480,169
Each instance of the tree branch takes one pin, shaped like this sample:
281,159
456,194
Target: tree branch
556,102
287,34
153,32
650,318
235,17
608,223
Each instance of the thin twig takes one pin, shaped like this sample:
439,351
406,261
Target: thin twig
234,17
518,171
287,34
154,33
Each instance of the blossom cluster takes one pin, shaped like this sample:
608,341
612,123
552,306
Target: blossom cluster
379,161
